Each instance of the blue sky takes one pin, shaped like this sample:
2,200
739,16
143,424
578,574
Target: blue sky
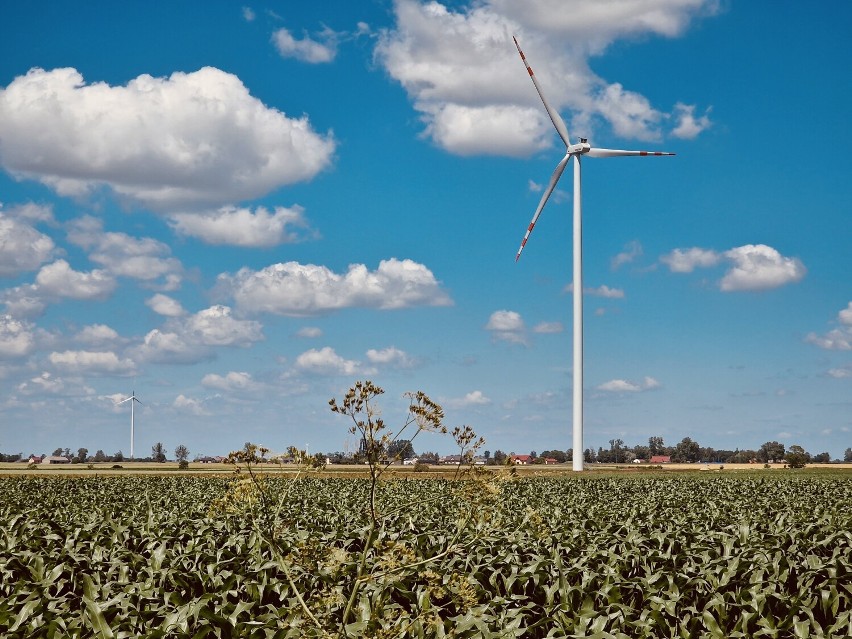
239,210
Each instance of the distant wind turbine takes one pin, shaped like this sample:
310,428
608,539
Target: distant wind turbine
575,151
132,399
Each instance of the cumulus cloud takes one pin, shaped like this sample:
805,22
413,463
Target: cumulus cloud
187,140
189,405
232,382
97,335
16,337
307,49
50,384
22,247
59,280
507,326
123,255
165,305
92,363
306,289
753,267
838,339
390,356
473,398
326,361
625,386
243,227
187,339
631,251
759,267
462,72
688,126
249,14
687,260
215,326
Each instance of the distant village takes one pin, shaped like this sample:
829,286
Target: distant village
402,452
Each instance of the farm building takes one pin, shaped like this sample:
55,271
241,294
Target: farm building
661,459
523,460
55,459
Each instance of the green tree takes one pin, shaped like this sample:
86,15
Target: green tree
616,447
80,458
656,446
181,453
158,453
796,457
822,458
771,451
687,451
401,449
57,452
100,456
118,457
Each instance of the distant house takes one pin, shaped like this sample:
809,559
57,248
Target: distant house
550,461
522,460
661,459
409,461
55,459
35,459
451,459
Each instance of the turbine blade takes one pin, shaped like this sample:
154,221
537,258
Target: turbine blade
557,173
615,153
554,115
125,400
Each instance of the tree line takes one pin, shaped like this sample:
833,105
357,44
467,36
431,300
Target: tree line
685,451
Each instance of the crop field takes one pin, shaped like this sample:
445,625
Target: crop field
698,555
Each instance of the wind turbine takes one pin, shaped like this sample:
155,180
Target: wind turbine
132,399
576,151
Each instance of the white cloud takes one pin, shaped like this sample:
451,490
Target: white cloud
171,347
306,49
189,139
759,267
60,280
122,255
248,14
189,405
242,227
215,326
838,339
22,247
840,373
688,126
754,267
326,361
631,251
187,339
97,335
390,356
687,260
625,386
16,337
92,363
548,327
50,384
473,398
165,305
306,289
463,74
232,382
601,291
507,326
309,332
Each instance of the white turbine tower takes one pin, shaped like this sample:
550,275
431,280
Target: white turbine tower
575,151
132,399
